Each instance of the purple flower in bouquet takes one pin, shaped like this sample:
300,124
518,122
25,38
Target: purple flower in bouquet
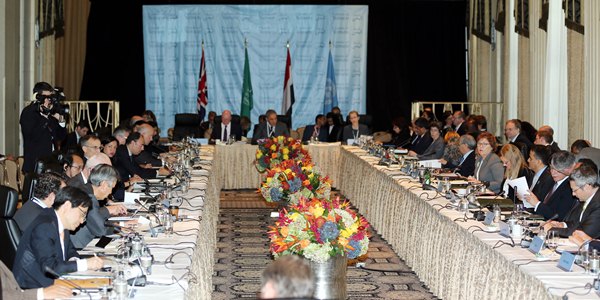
356,252
276,194
329,231
295,184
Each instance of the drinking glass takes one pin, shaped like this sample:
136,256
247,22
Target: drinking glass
551,240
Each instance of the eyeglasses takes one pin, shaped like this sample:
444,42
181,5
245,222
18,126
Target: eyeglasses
95,147
578,188
76,167
483,144
83,213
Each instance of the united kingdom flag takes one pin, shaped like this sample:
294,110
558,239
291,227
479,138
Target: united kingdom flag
202,99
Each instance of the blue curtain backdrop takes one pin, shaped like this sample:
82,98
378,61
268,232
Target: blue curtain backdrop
173,35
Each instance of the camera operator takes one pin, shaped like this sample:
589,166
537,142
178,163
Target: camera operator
42,125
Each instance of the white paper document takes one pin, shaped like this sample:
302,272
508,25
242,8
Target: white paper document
522,189
432,163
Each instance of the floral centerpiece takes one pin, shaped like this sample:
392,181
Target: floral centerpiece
293,179
319,229
275,150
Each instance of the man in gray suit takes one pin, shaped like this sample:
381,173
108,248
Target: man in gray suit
101,183
271,128
44,193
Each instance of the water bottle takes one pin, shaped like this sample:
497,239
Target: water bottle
427,177
497,213
594,262
120,286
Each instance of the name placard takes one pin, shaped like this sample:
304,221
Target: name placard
504,229
489,218
566,261
537,244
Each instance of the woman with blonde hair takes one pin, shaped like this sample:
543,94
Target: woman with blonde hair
452,155
515,167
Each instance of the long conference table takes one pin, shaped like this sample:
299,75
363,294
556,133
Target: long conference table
451,259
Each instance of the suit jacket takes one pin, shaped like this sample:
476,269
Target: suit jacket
434,151
590,221
235,128
554,147
262,132
94,223
76,181
309,130
334,135
40,247
348,134
462,130
421,144
127,166
560,202
10,287
523,143
467,167
39,135
70,141
544,184
147,156
491,171
26,214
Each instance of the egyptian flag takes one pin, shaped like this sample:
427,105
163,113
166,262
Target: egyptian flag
288,89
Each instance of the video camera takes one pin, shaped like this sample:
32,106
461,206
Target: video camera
56,98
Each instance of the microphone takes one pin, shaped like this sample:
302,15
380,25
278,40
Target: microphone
154,214
548,221
71,283
404,143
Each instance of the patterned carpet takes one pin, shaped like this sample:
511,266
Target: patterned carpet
243,252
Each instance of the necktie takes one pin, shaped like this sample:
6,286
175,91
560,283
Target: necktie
462,158
547,199
225,135
416,140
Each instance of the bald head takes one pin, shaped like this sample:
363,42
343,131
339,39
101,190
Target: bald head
95,160
547,128
134,119
226,117
147,131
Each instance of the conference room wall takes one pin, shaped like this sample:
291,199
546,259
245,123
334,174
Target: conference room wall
415,51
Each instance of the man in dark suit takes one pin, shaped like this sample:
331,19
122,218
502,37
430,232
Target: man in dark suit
81,179
208,125
512,130
334,128
125,163
459,122
81,129
44,193
271,128
103,179
541,183
545,138
150,155
422,139
466,146
40,126
225,129
559,200
319,130
43,242
10,288
585,216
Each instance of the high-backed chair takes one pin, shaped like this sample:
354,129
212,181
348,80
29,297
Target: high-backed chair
10,234
187,125
367,120
286,120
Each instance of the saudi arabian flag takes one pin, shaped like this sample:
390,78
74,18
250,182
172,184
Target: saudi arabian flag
246,89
